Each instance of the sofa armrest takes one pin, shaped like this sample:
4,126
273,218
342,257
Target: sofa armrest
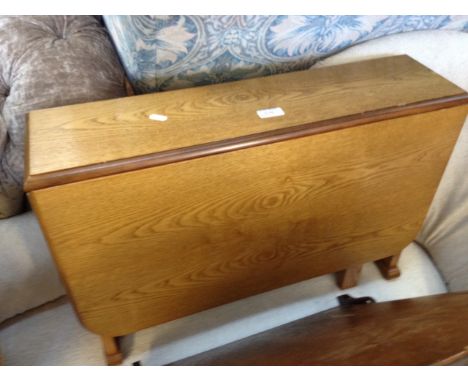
47,61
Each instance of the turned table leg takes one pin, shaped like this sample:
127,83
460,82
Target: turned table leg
349,277
111,350
388,267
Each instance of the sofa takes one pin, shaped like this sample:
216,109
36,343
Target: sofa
50,61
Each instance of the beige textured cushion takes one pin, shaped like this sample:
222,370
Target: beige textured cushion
28,277
445,231
47,61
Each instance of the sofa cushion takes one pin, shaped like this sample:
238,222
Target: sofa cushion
47,61
167,52
445,231
28,277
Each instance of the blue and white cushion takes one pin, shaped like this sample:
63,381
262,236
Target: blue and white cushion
167,52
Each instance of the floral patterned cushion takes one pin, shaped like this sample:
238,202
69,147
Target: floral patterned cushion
167,52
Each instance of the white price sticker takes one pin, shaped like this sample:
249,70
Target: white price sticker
270,113
158,117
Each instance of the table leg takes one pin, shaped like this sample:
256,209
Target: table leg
349,277
112,350
388,267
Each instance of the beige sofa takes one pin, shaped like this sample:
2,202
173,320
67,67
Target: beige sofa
51,335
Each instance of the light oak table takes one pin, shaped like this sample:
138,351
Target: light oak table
159,206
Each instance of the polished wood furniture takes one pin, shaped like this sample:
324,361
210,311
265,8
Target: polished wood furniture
421,331
162,205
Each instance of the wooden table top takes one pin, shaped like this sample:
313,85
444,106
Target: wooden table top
77,142
421,331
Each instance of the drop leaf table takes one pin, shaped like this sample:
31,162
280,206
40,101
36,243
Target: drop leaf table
162,205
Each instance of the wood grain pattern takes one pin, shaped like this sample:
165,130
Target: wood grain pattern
422,331
75,174
458,359
148,246
73,136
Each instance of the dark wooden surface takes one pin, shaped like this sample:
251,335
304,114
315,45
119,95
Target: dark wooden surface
423,331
